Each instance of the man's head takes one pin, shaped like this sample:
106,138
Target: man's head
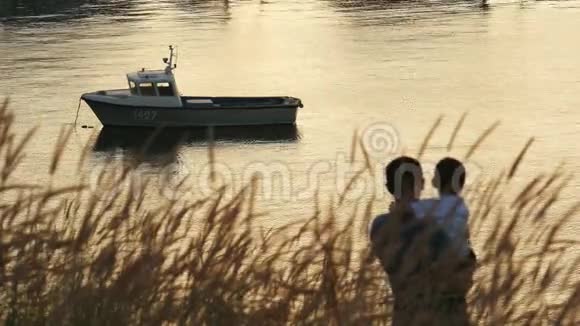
404,178
449,176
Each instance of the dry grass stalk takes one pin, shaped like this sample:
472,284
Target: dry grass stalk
428,137
456,131
519,158
480,140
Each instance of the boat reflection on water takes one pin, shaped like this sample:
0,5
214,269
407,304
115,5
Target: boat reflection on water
161,146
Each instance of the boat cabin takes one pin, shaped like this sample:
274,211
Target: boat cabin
152,83
155,87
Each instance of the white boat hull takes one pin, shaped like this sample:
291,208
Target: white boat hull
111,114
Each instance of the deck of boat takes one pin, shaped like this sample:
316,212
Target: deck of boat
239,102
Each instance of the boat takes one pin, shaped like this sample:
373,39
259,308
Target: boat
153,100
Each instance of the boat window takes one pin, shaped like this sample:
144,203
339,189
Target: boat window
147,89
165,89
133,88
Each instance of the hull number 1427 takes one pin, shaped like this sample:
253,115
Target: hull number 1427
147,115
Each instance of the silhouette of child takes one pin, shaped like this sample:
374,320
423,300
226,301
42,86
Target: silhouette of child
449,210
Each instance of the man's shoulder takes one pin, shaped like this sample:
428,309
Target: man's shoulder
380,219
377,223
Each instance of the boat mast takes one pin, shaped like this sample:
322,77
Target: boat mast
169,62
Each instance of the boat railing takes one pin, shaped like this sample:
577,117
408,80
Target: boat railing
115,92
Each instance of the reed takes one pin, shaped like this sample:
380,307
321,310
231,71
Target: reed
73,255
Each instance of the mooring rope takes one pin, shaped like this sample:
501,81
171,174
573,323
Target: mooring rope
78,108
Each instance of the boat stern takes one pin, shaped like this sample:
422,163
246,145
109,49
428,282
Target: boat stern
295,101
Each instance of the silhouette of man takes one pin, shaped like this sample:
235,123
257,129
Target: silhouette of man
414,256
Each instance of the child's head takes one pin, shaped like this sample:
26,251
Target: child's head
449,176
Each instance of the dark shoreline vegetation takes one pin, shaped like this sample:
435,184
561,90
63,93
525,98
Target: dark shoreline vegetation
18,8
70,255
84,8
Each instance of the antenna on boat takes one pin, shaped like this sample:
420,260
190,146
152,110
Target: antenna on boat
176,57
169,62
